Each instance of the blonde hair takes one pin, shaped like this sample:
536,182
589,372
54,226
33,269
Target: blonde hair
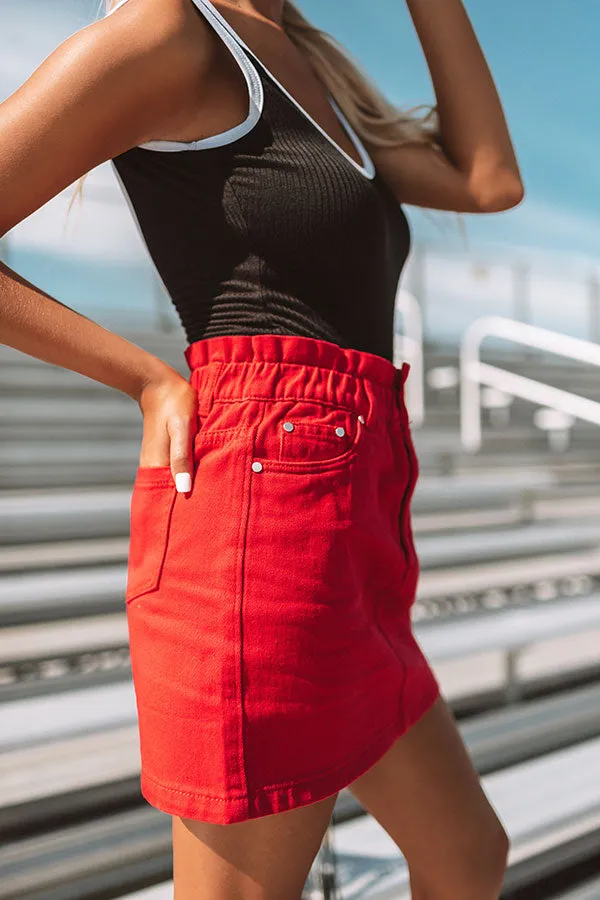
376,121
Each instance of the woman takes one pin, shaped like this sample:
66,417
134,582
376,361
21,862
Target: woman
271,567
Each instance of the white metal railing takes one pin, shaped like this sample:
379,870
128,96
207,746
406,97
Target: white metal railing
474,373
409,347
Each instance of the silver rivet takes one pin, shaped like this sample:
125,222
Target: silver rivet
288,426
257,467
340,431
361,419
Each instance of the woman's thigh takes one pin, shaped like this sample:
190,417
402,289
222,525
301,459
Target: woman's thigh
263,859
427,795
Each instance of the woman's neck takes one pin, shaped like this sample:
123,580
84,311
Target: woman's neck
267,9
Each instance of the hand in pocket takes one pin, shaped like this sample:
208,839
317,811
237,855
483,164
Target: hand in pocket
170,410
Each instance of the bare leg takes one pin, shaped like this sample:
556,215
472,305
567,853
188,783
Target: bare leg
426,794
263,859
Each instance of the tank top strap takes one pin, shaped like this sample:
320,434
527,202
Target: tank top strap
221,25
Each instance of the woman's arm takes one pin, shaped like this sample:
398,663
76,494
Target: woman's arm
477,170
114,84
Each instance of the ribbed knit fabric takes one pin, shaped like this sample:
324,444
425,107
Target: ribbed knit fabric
276,232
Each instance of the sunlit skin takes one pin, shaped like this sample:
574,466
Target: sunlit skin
155,69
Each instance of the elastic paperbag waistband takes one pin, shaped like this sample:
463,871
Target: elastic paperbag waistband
274,365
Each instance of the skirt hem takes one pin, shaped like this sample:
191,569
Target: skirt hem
273,800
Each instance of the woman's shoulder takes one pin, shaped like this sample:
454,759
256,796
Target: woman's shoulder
120,81
147,59
165,32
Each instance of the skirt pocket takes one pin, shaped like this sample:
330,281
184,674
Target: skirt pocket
151,508
308,435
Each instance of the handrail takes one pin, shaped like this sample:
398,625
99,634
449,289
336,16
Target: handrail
412,352
474,373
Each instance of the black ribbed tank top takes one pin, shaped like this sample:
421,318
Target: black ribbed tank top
270,227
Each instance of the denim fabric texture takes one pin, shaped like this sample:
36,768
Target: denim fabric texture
269,608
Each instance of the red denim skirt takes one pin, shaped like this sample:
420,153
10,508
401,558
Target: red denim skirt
268,608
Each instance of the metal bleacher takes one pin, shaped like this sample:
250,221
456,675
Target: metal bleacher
549,806
508,612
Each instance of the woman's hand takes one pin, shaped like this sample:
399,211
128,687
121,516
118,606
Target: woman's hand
170,409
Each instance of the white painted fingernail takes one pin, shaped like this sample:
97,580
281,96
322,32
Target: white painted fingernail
183,482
